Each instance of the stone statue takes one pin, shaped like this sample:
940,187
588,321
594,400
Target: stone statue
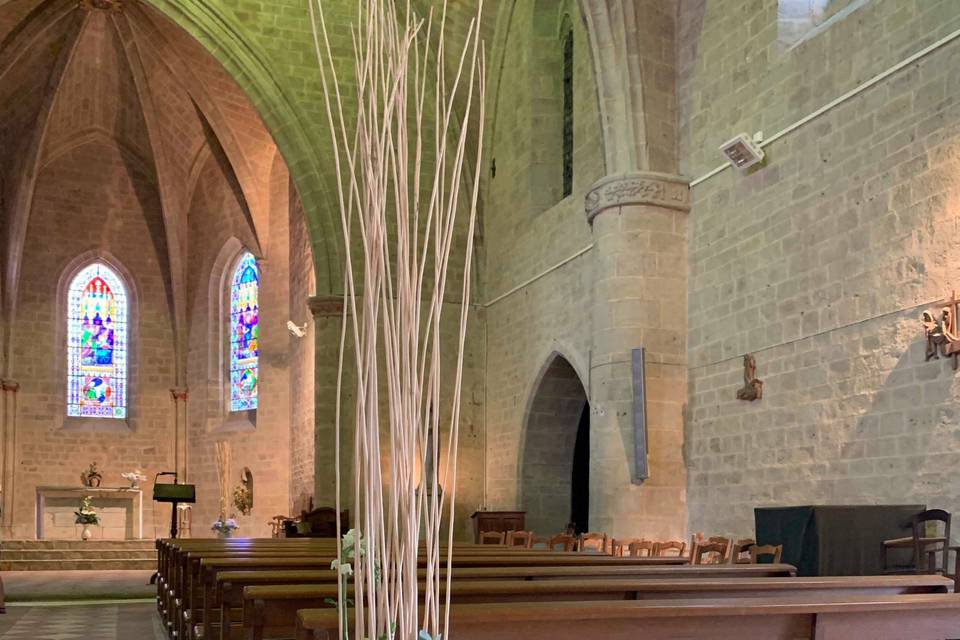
752,386
246,479
243,493
91,477
935,337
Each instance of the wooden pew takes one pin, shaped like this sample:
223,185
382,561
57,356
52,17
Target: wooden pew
195,572
227,592
174,563
894,617
270,611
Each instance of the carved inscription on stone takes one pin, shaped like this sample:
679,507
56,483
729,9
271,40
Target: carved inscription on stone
662,190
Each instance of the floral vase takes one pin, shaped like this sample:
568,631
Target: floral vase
224,533
86,534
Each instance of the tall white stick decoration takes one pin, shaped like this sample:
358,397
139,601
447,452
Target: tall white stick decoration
400,161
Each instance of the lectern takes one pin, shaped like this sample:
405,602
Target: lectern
174,494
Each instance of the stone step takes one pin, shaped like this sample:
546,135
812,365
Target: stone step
65,555
71,565
77,554
77,544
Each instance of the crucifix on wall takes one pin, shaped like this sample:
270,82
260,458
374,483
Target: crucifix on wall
940,325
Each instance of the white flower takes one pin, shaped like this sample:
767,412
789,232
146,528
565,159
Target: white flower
345,569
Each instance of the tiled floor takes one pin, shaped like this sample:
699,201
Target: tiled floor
82,622
39,606
30,586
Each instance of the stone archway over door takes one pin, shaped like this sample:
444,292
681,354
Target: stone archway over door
546,464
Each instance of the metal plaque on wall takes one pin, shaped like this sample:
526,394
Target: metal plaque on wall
641,468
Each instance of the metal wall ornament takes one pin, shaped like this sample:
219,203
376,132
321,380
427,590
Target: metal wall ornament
940,327
752,386
91,477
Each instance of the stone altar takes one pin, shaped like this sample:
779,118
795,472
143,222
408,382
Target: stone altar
120,510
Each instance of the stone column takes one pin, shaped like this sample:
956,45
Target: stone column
179,396
8,454
327,318
639,300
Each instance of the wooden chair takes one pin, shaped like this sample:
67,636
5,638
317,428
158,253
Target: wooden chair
540,542
660,549
704,548
492,537
724,541
636,549
276,525
593,542
318,523
740,553
565,541
765,550
520,539
619,547
924,548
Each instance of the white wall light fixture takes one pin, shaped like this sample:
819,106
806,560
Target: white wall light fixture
742,151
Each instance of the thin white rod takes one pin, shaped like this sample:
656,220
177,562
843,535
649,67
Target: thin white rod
527,283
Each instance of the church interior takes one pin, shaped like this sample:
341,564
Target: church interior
699,380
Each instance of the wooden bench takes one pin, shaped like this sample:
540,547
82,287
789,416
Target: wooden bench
226,593
270,611
197,573
894,617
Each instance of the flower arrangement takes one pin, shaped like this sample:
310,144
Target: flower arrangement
134,477
225,526
241,499
87,514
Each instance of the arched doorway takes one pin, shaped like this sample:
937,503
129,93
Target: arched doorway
555,459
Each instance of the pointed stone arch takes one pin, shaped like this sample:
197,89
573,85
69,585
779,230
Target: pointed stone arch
545,467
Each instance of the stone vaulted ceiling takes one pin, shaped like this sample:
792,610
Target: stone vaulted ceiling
75,72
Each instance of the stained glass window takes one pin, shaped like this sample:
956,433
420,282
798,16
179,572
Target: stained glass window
244,334
97,344
568,114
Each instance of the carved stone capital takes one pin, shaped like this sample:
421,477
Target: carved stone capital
10,385
179,393
641,187
114,6
325,306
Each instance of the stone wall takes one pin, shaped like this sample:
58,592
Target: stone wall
302,363
218,233
819,262
90,202
526,231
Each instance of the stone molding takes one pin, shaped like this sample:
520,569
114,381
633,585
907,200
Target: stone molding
10,385
638,188
179,393
325,306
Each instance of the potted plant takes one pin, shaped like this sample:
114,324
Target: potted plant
86,516
225,527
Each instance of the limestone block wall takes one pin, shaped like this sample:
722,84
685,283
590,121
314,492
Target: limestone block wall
820,262
217,221
302,364
90,201
525,235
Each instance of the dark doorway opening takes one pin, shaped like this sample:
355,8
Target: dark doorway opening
580,476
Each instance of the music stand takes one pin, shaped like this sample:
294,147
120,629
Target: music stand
174,494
